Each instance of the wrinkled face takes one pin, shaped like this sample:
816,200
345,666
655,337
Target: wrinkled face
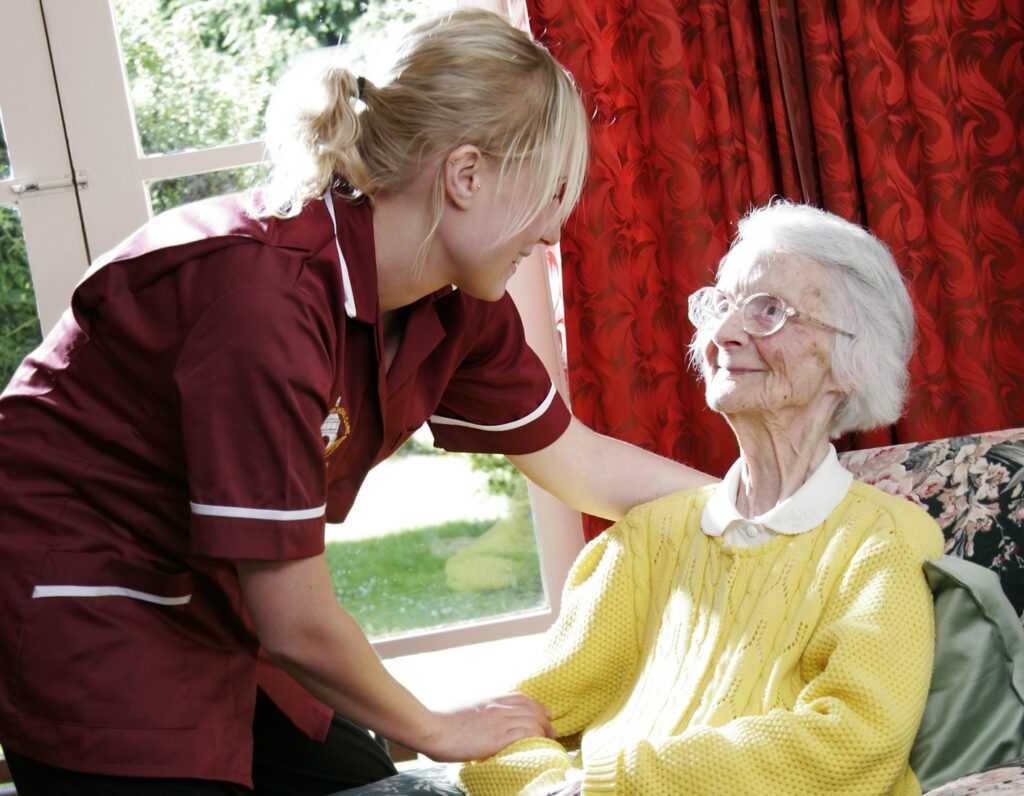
486,257
786,373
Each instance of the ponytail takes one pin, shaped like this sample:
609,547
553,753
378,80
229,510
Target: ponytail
312,135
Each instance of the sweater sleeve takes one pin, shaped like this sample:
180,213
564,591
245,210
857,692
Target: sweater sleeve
589,659
867,668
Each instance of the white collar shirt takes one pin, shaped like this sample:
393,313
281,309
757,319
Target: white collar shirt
805,509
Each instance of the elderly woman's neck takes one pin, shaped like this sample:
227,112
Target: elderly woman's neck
777,459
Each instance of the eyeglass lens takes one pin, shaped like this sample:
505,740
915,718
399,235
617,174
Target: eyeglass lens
763,314
760,314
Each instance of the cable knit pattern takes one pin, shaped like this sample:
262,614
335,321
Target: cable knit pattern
680,664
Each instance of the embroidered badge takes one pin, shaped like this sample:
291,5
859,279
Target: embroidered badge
335,428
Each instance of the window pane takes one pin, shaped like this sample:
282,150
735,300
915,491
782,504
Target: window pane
19,319
165,194
436,539
5,164
200,71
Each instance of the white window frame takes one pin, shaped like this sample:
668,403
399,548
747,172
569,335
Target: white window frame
70,130
41,182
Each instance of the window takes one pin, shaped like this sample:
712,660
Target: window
136,145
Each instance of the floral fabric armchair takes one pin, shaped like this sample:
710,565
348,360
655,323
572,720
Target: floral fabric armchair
974,487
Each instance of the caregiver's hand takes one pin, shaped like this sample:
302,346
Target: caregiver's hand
484,728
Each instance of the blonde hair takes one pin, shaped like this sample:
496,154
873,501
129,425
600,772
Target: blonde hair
466,78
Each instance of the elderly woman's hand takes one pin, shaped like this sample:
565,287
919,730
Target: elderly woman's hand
484,728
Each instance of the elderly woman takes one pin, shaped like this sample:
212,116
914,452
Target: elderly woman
772,633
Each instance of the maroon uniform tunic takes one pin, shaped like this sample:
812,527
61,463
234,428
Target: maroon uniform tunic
216,392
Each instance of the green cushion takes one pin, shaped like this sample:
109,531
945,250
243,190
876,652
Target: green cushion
974,717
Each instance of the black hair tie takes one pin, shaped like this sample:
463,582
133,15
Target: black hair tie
361,86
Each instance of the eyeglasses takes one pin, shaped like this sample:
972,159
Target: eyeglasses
761,314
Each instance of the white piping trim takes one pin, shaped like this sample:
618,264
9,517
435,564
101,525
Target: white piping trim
523,421
258,514
107,591
350,299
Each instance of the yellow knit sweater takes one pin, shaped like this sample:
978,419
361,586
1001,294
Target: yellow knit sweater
682,665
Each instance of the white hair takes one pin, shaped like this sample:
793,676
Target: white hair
870,300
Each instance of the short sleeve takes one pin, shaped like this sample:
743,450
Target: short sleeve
500,399
251,383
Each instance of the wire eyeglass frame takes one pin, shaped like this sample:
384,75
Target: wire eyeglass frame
704,312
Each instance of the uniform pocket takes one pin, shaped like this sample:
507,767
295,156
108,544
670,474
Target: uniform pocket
101,645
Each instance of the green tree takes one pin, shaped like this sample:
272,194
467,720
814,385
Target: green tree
200,75
502,476
230,23
19,321
5,164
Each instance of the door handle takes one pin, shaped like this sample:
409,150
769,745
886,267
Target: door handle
80,180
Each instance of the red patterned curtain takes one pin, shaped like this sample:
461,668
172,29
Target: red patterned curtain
906,117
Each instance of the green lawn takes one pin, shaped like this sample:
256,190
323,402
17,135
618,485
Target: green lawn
396,583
